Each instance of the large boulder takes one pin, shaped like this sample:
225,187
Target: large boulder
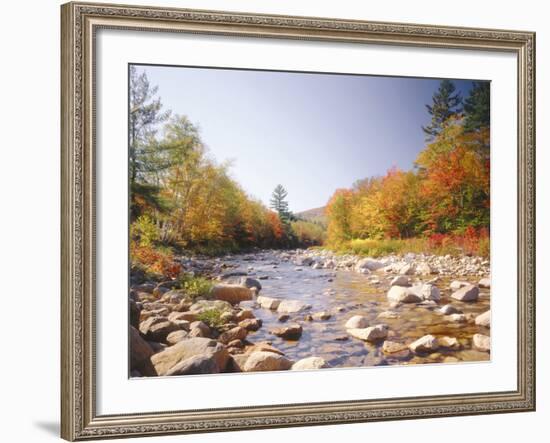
426,344
231,293
236,362
400,294
373,333
244,314
482,342
290,332
484,319
251,324
268,302
292,306
182,316
135,310
430,292
157,328
198,364
173,355
266,361
310,363
199,329
176,337
263,347
237,333
466,293
140,351
357,322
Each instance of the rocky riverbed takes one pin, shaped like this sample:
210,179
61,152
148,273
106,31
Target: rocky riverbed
311,309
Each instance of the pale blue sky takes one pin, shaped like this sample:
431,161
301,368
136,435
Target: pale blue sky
313,133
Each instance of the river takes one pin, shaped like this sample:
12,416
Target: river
345,293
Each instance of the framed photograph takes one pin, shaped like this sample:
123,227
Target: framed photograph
277,221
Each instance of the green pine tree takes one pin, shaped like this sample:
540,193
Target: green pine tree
445,103
278,203
145,114
477,107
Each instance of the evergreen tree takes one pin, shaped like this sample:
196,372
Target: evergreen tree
278,203
445,103
477,107
145,114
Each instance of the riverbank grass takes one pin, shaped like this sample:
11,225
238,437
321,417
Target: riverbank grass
436,245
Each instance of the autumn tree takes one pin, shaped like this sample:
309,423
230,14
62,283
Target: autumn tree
339,214
455,180
445,103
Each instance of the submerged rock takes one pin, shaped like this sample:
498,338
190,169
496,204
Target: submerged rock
401,294
466,293
290,332
268,302
425,344
323,315
292,306
357,322
372,333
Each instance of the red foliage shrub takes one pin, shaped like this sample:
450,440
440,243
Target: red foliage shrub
155,261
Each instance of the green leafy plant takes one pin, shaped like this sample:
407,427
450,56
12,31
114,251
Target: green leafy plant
212,317
195,287
144,231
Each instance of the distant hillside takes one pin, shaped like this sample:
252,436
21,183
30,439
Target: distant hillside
316,215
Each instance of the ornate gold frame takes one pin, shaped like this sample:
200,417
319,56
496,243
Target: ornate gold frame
80,21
